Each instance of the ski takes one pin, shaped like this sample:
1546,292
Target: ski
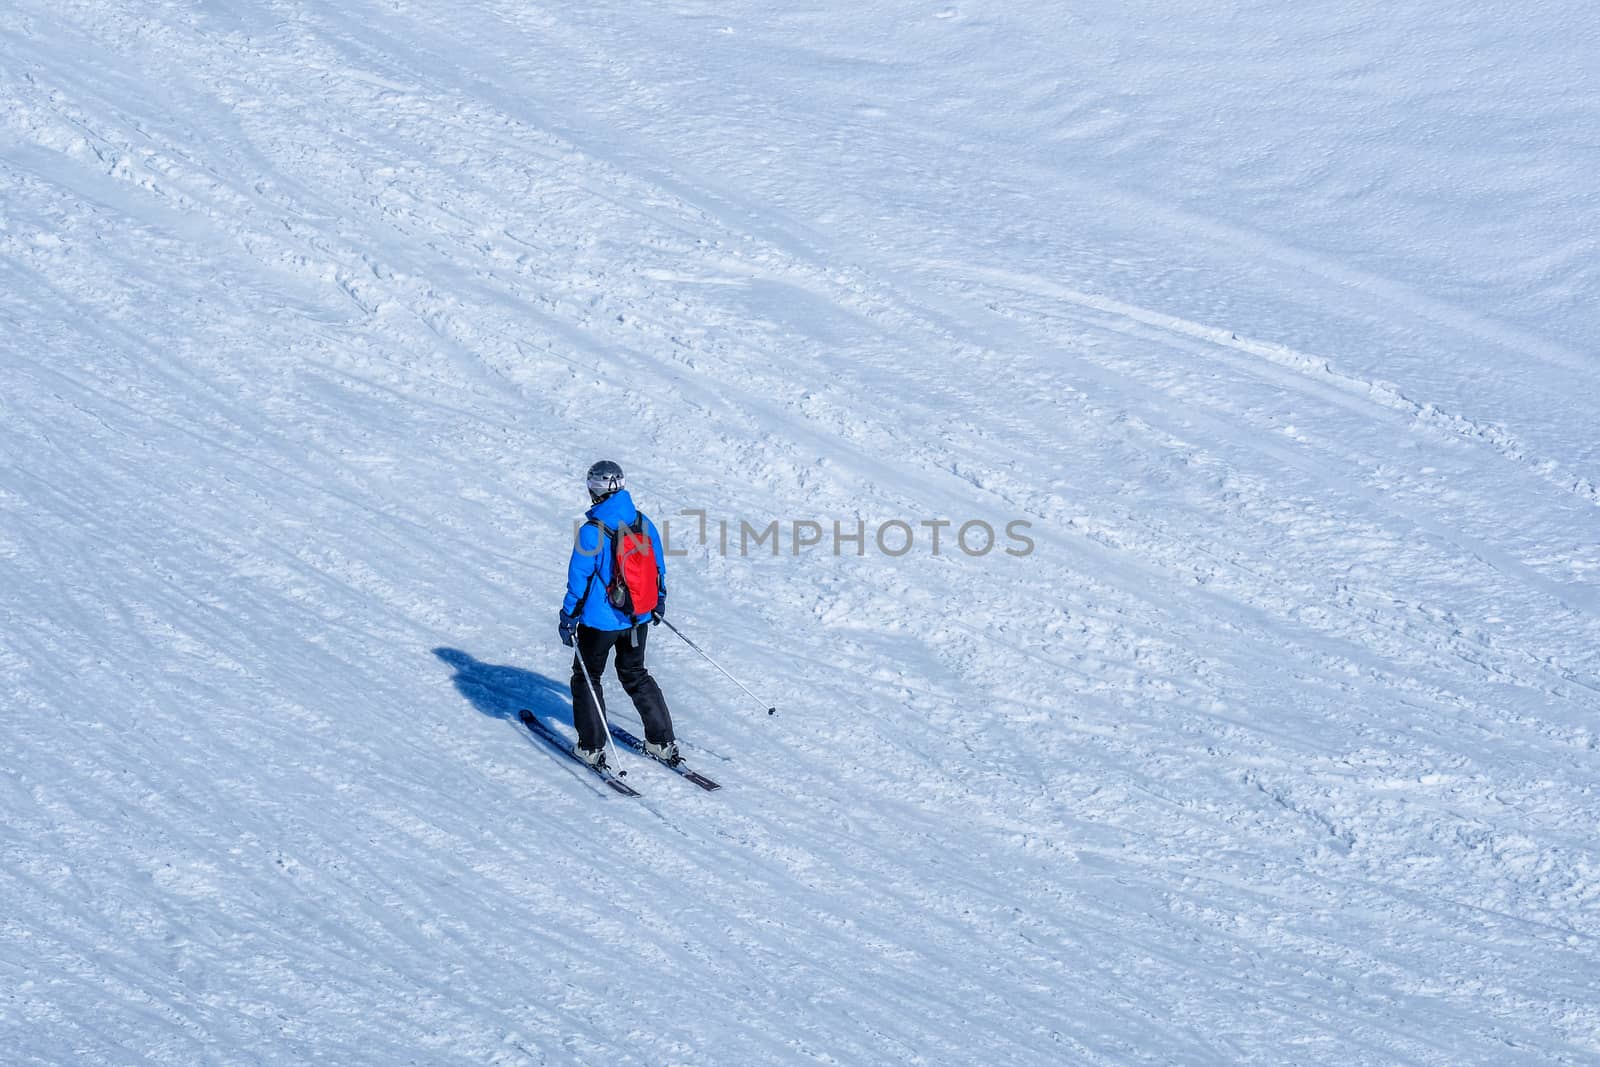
545,734
623,737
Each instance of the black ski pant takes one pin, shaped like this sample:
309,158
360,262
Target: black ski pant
593,648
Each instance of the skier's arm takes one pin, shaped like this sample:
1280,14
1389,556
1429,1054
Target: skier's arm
581,569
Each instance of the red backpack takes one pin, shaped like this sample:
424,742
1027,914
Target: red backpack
635,586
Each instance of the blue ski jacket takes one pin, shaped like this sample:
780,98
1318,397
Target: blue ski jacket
589,572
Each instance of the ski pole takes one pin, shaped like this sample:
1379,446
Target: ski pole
771,710
605,728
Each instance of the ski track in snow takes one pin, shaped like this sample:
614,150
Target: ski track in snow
1280,748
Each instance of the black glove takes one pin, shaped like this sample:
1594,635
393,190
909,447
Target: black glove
569,627
660,612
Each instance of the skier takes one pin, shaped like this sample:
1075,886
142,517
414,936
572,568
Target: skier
614,593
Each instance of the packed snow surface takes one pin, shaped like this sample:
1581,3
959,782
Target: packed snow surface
1276,323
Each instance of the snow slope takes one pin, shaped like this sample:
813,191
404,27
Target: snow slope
1276,324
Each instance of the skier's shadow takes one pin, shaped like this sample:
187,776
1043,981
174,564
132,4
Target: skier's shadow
499,691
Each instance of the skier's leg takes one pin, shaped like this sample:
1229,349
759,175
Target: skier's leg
593,646
642,688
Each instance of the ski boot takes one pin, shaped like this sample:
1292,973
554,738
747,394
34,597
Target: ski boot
666,751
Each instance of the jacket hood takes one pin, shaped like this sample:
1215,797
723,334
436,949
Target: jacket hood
614,509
